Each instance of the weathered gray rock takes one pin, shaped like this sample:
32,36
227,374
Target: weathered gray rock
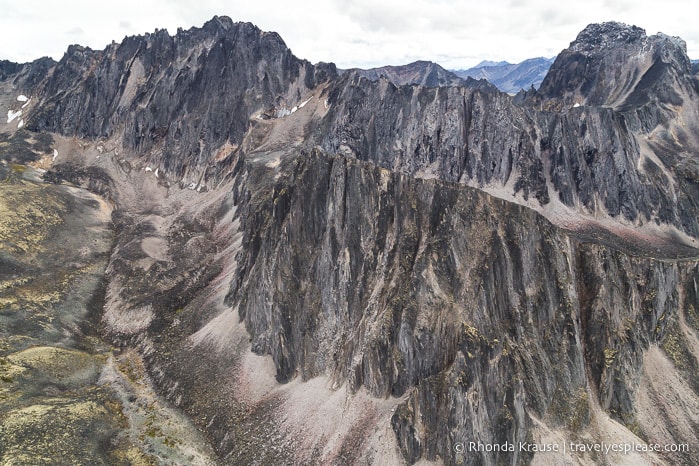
183,100
185,103
490,313
354,242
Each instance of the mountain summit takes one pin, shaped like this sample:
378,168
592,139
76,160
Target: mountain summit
616,65
389,266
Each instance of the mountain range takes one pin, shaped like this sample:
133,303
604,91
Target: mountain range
323,266
509,77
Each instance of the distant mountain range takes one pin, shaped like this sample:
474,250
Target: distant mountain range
424,73
506,76
509,77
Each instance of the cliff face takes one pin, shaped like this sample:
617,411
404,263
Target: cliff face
640,92
183,100
621,142
638,166
370,271
480,311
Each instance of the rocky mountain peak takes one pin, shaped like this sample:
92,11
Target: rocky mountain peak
182,99
615,65
421,72
599,36
401,249
222,23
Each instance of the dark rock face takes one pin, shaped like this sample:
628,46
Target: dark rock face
490,313
8,68
179,99
28,75
346,233
616,65
585,158
188,101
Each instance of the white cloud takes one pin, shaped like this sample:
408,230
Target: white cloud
364,33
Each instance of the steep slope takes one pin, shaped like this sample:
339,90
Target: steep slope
451,297
635,164
183,100
429,307
614,65
644,89
368,271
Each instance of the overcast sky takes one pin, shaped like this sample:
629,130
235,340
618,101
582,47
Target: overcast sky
351,33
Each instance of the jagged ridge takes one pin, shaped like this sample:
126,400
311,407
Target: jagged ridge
351,249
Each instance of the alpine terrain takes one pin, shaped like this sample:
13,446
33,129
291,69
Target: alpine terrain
214,252
510,77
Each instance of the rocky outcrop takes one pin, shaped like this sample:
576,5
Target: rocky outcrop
614,65
390,236
185,104
27,75
479,317
184,100
454,134
480,310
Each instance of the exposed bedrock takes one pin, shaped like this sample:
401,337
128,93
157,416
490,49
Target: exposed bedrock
480,309
612,131
337,265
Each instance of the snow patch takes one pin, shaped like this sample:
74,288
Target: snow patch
22,98
27,103
576,105
20,124
149,169
12,115
157,170
282,112
303,104
55,154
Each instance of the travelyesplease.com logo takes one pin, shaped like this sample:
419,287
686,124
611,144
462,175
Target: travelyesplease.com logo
569,447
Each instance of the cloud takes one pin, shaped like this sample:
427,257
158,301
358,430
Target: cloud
76,31
363,33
